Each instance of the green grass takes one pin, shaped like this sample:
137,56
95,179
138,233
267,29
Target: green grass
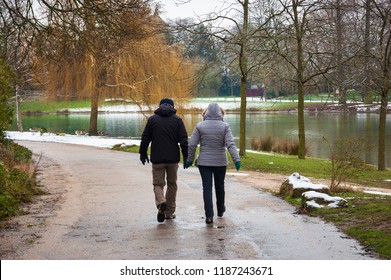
285,164
367,219
310,167
53,106
270,105
274,106
288,162
129,149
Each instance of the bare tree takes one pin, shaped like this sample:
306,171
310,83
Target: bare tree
310,41
381,54
367,50
375,60
302,46
339,56
240,41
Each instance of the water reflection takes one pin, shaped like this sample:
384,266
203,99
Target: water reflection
331,126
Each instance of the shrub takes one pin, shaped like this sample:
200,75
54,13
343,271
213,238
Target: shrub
346,160
255,144
12,154
17,178
277,145
262,144
7,201
8,205
5,95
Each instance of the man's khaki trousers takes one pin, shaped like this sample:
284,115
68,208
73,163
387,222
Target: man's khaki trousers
160,172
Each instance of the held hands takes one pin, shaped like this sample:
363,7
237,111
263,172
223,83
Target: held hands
237,165
144,158
187,164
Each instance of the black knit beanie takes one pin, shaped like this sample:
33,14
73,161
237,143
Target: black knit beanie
168,101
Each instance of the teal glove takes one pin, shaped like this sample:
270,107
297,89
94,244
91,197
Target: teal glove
187,164
237,165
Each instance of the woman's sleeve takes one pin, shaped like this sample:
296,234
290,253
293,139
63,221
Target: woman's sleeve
194,141
230,144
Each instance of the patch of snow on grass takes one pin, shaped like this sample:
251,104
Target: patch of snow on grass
333,200
299,181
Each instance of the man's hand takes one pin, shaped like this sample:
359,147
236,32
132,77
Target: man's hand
144,158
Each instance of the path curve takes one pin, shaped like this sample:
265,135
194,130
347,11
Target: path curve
100,206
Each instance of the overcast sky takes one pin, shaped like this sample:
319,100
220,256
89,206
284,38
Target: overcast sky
189,8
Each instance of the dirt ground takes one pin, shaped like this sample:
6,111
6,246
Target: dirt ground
21,232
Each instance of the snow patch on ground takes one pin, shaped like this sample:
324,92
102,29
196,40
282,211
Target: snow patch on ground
96,141
299,181
377,192
333,201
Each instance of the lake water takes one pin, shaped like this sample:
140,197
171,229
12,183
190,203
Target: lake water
332,126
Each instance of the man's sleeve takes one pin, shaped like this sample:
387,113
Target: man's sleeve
145,139
183,139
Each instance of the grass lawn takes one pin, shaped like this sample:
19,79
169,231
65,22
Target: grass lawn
50,106
47,106
367,219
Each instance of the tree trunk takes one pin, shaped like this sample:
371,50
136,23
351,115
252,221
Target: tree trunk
243,80
18,112
300,121
300,85
340,67
93,130
243,113
382,133
367,48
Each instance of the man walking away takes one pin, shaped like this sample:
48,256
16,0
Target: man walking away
164,130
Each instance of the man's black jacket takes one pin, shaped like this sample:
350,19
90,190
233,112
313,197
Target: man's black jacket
164,130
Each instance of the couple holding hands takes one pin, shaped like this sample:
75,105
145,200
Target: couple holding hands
164,130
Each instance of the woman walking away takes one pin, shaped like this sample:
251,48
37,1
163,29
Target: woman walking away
214,136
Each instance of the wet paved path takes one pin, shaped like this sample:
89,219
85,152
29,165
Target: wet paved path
107,212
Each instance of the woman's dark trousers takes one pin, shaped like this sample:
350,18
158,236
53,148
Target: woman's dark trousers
208,173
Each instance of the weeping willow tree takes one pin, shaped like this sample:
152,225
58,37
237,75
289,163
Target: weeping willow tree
100,49
143,71
149,71
77,41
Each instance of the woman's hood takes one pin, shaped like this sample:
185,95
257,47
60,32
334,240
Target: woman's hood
213,112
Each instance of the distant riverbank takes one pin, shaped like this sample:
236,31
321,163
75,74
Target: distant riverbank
230,104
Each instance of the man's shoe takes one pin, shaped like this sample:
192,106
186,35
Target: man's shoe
160,214
170,217
209,220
